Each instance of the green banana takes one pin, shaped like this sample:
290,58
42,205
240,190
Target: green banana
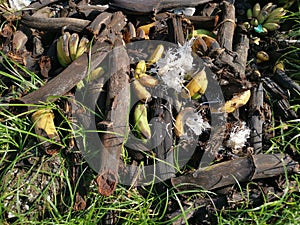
276,15
264,12
61,56
254,22
141,120
271,26
66,37
256,10
73,45
82,46
249,14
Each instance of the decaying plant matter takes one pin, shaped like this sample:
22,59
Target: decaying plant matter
77,48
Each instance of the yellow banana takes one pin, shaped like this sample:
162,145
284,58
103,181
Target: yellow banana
140,91
148,81
198,84
156,55
95,74
140,69
262,56
43,120
146,28
82,46
73,45
141,120
278,66
61,56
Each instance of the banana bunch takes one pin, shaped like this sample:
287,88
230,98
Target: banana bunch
265,19
69,48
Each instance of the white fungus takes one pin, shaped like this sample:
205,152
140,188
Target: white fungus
196,123
238,136
175,64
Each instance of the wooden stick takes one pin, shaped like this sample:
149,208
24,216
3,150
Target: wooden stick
237,170
227,26
240,61
142,7
256,117
119,100
55,24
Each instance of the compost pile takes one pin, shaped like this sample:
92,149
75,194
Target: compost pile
204,75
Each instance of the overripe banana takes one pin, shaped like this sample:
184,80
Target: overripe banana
180,121
156,55
140,91
44,127
148,81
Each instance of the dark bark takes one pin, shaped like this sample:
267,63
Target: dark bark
118,101
237,170
241,50
256,117
203,22
54,24
175,30
286,82
279,98
227,26
100,23
142,7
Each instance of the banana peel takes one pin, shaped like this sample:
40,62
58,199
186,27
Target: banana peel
236,102
44,127
197,85
180,121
